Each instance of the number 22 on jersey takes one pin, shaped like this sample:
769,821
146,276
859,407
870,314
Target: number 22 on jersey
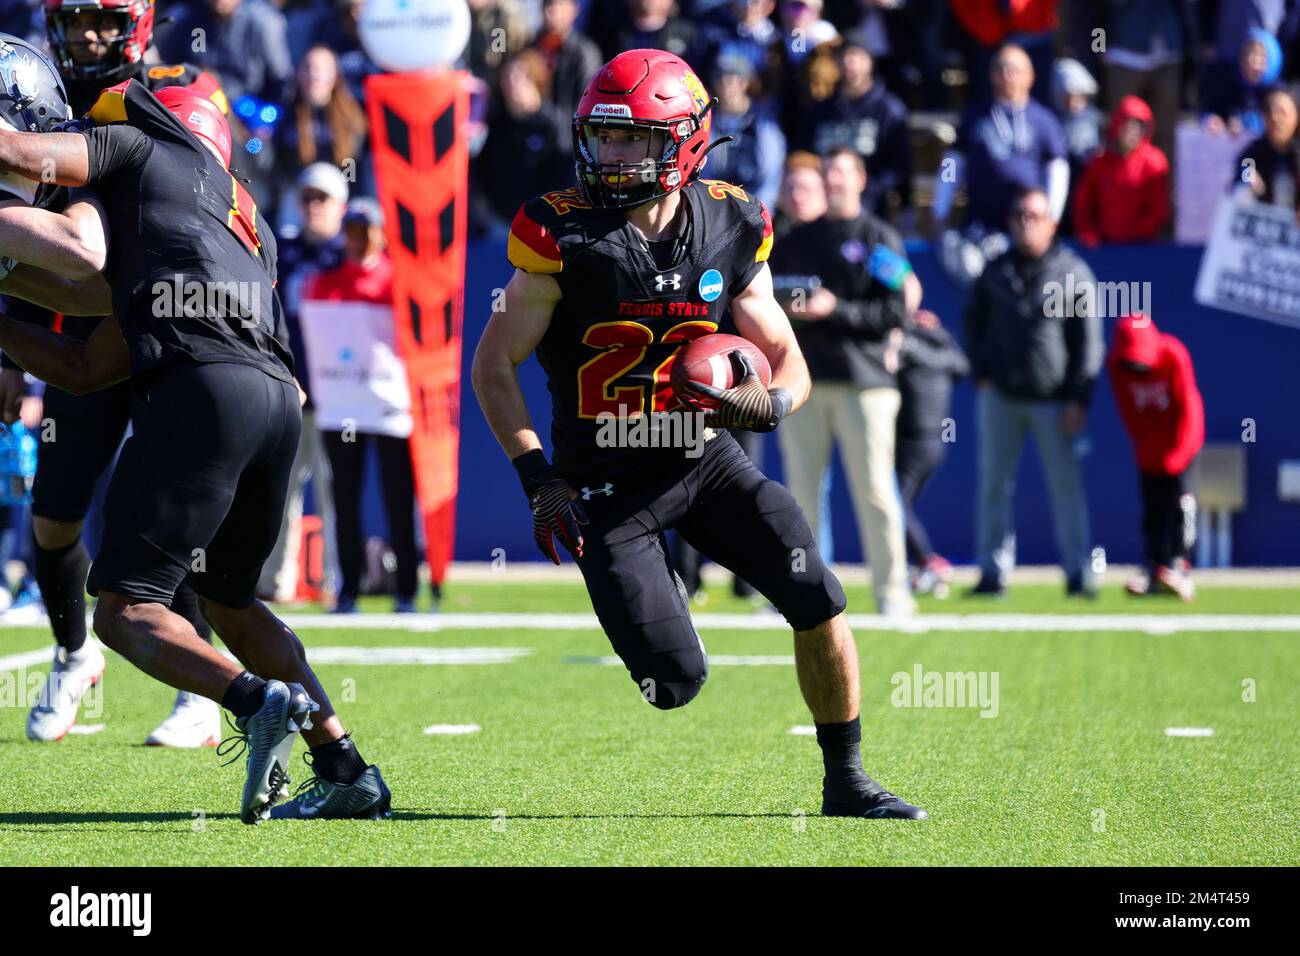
624,345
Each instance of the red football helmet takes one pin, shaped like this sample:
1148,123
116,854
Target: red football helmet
648,94
135,18
200,116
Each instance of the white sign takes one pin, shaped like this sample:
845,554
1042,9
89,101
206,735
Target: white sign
1251,264
404,35
1206,169
356,374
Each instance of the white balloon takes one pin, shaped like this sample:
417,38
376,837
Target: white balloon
404,35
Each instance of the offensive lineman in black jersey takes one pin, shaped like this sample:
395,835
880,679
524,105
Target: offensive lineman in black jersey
95,43
199,489
611,278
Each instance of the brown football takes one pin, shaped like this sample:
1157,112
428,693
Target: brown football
707,360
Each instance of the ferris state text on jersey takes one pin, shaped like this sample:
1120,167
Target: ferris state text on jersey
622,316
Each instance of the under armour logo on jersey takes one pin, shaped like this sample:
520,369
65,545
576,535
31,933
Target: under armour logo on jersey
588,491
673,282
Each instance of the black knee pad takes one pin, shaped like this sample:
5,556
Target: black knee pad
671,679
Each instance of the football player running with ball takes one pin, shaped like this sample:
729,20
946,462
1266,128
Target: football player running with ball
198,492
95,43
611,278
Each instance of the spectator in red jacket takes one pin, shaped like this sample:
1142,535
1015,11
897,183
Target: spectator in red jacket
1156,393
362,398
1124,193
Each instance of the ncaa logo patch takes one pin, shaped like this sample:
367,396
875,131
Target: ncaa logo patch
710,285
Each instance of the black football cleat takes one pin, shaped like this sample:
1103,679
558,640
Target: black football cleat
989,585
366,798
1078,586
871,804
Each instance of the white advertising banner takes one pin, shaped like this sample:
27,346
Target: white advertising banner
356,374
1251,263
1206,169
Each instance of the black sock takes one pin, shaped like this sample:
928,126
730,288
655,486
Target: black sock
245,695
842,752
186,604
61,574
338,761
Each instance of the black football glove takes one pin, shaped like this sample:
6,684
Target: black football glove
747,405
556,513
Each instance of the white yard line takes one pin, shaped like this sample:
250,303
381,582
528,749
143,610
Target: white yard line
522,572
25,659
726,660
346,655
415,655
1147,623
1189,731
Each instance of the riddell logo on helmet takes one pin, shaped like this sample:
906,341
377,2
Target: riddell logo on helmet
612,109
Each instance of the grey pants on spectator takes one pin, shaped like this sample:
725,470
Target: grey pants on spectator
280,573
1003,424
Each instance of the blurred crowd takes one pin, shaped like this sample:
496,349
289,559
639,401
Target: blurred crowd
988,126
1085,107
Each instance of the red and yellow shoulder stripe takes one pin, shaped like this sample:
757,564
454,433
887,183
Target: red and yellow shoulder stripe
532,246
110,107
765,245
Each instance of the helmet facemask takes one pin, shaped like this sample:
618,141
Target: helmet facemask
624,185
114,66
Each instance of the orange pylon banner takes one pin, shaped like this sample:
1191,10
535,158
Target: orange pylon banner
421,158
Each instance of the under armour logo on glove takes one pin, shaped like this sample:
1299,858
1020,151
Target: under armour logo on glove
748,405
556,514
588,491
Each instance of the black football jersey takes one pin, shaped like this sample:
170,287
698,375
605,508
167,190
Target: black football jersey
83,96
191,260
623,316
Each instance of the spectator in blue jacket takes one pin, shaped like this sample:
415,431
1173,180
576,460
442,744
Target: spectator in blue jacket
1233,93
1003,147
242,41
863,115
747,31
755,157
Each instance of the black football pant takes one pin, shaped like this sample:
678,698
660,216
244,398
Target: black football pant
735,516
686,560
1168,517
199,489
397,479
916,460
78,441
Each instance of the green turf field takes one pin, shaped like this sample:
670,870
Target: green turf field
571,767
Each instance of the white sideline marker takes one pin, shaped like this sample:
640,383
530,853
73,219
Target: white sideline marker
452,729
1189,731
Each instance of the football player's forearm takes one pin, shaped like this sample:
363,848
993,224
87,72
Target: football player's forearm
790,372
64,245
496,384
49,290
61,158
53,358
